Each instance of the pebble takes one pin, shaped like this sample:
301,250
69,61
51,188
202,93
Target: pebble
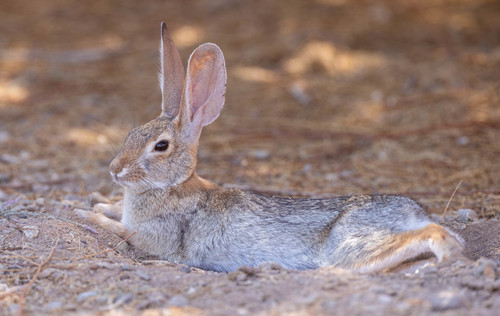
123,299
330,306
48,272
462,140
261,154
30,231
466,215
486,267
14,309
54,305
143,275
446,300
85,295
178,300
299,93
40,201
3,196
4,136
384,298
106,265
126,267
10,159
72,197
307,168
4,177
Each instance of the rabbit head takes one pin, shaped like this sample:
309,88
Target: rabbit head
162,152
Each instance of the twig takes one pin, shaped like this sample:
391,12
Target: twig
22,298
451,198
107,250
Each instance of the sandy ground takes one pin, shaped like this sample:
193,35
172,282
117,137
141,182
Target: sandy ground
325,98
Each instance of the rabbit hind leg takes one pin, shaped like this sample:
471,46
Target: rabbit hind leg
408,245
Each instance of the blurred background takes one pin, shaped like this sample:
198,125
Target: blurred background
324,97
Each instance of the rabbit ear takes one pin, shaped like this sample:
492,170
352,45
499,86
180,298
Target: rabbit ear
205,88
171,75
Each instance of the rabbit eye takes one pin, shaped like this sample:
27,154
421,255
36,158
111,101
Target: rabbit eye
162,145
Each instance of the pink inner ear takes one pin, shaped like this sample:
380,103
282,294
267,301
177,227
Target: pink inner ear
202,71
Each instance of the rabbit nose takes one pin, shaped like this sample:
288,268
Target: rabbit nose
116,169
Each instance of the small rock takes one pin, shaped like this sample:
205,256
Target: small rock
178,300
486,267
307,168
472,283
14,309
154,299
10,159
97,197
85,295
4,177
30,231
298,91
384,299
40,201
3,196
126,267
48,272
54,305
446,300
330,306
106,265
4,136
191,291
261,154
462,140
123,299
143,275
377,96
74,198
466,215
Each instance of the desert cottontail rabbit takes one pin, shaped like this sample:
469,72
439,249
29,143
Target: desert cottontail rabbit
180,217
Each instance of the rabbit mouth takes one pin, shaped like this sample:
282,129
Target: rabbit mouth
123,178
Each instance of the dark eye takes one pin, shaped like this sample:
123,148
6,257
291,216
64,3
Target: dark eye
162,145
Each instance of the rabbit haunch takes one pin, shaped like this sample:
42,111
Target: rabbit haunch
180,217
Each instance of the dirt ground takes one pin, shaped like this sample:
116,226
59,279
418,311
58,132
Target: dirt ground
325,98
